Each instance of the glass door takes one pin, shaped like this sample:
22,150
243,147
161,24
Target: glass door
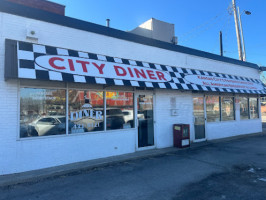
145,120
199,118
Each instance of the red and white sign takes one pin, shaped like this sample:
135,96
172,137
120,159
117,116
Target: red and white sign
102,69
219,82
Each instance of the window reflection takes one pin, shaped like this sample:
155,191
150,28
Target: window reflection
253,107
213,108
243,101
86,111
228,111
42,112
119,110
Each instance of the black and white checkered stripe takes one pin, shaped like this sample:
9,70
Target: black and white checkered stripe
27,52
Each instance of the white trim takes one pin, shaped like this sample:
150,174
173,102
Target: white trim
145,148
104,111
18,114
201,140
67,128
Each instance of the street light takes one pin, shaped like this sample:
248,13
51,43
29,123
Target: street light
240,38
247,12
241,31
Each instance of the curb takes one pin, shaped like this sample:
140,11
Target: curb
80,167
77,168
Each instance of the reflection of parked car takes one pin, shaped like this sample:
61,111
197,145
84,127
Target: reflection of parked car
114,118
23,130
51,125
129,116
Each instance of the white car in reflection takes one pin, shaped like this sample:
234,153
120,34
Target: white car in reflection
50,125
129,116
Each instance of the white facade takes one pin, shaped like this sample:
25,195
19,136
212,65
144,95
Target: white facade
20,155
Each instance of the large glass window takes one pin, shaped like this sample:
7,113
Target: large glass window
213,108
119,110
42,112
253,107
227,106
86,111
243,102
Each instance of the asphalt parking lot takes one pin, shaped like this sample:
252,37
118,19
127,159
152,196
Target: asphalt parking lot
233,169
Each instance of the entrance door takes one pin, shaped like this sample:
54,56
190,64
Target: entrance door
145,120
199,118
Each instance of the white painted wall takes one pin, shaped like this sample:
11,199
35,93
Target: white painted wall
35,153
217,130
164,119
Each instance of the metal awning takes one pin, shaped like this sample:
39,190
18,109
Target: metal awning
34,61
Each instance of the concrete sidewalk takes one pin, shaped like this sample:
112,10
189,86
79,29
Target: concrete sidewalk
232,168
77,168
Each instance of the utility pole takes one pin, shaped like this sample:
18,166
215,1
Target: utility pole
221,43
237,31
242,36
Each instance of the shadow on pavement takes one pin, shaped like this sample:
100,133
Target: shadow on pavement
242,182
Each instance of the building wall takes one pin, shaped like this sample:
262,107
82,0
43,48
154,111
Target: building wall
18,155
164,119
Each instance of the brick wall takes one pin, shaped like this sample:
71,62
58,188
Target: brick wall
43,5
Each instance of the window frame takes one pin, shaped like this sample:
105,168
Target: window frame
221,119
205,99
94,90
20,86
246,96
258,115
220,107
134,114
67,88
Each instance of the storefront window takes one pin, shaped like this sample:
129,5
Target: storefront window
253,107
213,108
243,102
119,110
42,112
263,106
228,111
86,111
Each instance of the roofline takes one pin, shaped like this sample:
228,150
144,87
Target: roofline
33,13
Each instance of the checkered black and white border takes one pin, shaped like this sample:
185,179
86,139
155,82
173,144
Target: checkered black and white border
27,69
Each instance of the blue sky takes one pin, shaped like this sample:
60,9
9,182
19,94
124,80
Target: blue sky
197,22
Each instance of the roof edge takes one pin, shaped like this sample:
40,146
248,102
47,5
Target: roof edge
33,13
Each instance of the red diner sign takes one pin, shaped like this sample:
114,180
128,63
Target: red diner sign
102,69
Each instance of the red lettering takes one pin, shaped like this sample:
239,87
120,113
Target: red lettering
100,68
130,72
142,73
119,73
52,60
161,76
151,74
71,65
83,64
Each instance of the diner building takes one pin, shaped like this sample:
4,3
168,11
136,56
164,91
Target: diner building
72,91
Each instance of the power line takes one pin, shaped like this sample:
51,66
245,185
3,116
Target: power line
201,26
204,29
